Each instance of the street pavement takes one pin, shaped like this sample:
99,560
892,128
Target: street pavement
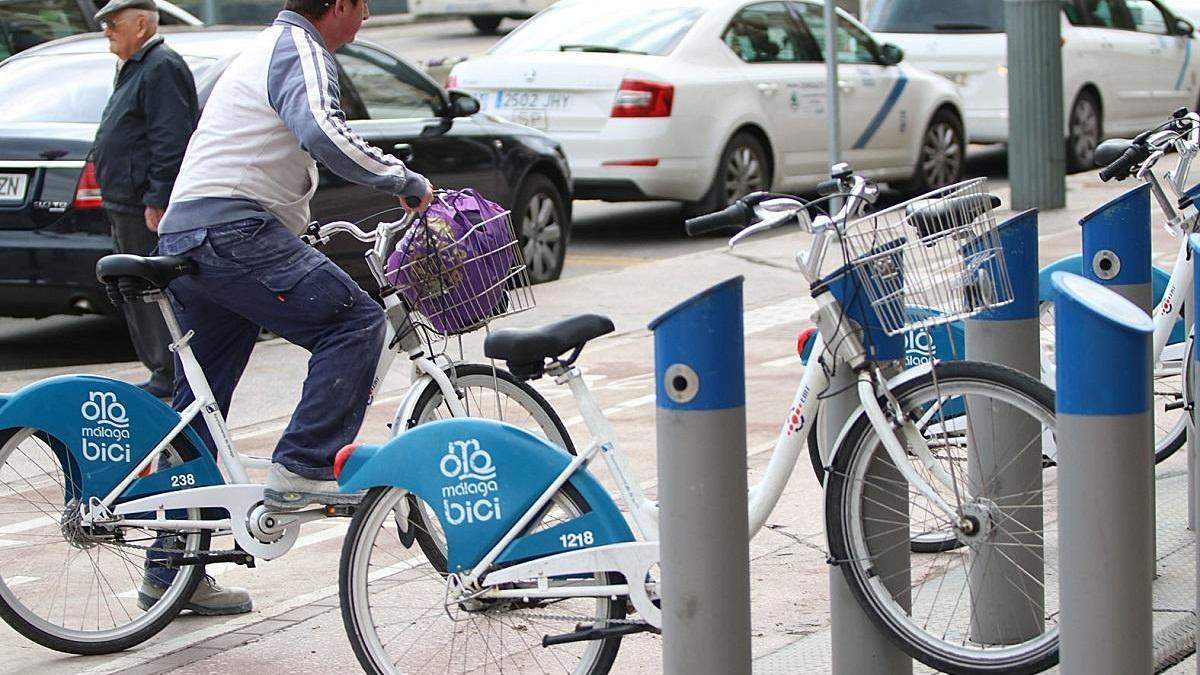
296,626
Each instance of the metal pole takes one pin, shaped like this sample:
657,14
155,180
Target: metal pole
858,645
1036,145
1193,480
1106,502
833,122
701,390
998,469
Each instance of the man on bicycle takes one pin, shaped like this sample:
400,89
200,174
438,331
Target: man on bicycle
239,202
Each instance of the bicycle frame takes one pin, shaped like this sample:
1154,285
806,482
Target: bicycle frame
240,495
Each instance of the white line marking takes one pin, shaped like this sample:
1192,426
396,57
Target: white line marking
790,360
25,526
17,581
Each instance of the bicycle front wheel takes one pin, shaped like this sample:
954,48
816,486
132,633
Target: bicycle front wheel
403,614
490,393
990,604
67,586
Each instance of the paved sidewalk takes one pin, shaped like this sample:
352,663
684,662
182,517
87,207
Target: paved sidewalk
297,627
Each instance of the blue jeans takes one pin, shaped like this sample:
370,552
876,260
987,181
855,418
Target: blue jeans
256,273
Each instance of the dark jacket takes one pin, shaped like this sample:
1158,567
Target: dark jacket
145,129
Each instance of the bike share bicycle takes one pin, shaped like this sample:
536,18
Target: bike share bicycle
80,508
542,573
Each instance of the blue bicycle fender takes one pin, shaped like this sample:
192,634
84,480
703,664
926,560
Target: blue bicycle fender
481,476
1159,279
105,427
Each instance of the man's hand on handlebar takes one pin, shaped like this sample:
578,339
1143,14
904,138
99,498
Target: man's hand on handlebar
421,203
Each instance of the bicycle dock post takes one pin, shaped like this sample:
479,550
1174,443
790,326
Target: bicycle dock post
1106,499
1008,335
1193,477
701,428
1116,246
858,646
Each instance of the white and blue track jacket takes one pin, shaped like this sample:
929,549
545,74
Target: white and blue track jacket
275,108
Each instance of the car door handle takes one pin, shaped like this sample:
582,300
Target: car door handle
403,151
846,86
767,88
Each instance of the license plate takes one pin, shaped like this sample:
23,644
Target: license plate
12,187
530,100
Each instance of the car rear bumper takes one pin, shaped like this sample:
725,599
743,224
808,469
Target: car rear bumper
604,165
47,274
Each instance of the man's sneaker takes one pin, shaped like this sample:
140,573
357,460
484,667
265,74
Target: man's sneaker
209,598
286,491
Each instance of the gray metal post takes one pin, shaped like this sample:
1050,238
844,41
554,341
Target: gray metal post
1106,504
998,469
833,120
858,645
1036,145
1193,479
701,391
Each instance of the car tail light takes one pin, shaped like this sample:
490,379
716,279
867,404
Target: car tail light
640,98
339,460
452,82
87,192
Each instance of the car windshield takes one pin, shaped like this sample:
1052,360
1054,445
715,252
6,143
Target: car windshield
25,23
629,28
62,87
937,16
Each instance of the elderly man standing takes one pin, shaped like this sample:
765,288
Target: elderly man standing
139,147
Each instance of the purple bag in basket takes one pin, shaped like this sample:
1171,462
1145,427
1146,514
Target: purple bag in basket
451,265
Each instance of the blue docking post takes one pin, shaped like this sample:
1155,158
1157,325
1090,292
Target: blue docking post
700,374
1106,502
1194,491
1009,335
1116,246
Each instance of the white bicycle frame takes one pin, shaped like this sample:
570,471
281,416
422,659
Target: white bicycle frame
273,534
634,560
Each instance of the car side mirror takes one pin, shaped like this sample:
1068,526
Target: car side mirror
1183,26
463,104
891,54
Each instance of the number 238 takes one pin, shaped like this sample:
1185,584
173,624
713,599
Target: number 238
183,480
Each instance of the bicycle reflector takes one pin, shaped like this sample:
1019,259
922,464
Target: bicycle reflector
339,460
804,343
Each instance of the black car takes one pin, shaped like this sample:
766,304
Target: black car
52,229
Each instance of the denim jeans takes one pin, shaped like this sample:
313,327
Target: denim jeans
256,273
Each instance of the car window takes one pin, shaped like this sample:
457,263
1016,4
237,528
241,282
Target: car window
169,19
621,27
1101,13
853,45
936,16
1147,17
766,33
25,23
380,93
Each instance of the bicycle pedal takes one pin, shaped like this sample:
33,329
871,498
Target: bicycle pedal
339,510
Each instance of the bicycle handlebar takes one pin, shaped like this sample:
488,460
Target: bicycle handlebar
1123,166
737,215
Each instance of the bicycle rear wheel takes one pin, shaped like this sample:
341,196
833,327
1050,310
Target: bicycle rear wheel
65,586
942,607
402,615
490,393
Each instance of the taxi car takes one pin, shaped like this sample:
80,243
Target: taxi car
1126,64
703,101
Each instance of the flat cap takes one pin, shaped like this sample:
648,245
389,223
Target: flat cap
115,6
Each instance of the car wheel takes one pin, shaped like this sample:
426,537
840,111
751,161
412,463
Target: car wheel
486,24
941,156
540,219
1084,132
743,168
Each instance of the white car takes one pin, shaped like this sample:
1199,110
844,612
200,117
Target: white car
1188,9
703,101
1126,63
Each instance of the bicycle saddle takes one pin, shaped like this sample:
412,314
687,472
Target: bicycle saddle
948,213
1110,150
525,350
125,276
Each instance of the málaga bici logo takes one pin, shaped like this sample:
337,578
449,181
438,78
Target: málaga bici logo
474,496
105,432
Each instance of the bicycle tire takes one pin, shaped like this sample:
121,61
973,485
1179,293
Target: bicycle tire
1169,435
853,506
24,487
407,577
483,377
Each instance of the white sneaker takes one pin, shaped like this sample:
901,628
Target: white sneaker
209,598
286,491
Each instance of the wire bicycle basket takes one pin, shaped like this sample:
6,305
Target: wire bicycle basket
940,251
456,278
